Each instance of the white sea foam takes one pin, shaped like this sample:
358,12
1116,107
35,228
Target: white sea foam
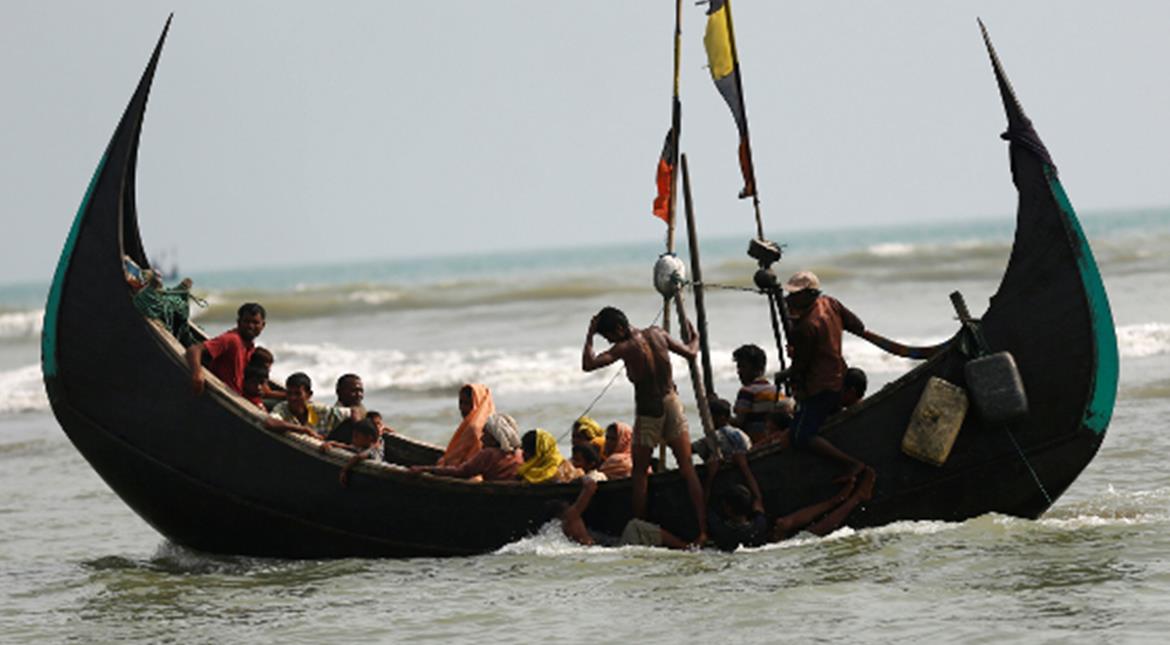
22,390
548,541
506,370
863,354
21,324
374,297
1142,340
891,249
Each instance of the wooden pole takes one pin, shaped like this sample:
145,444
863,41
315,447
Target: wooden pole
778,309
747,140
675,123
697,279
697,383
675,134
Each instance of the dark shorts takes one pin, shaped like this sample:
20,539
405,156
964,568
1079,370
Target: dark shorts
811,414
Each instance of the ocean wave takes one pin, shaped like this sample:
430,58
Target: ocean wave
1143,340
1111,506
505,371
518,370
885,262
318,301
22,390
21,324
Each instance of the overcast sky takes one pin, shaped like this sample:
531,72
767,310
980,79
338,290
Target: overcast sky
284,132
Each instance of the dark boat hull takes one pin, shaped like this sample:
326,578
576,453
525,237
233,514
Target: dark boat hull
204,473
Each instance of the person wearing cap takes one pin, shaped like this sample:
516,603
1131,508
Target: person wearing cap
817,373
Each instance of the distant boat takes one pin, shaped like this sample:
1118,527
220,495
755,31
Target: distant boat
205,474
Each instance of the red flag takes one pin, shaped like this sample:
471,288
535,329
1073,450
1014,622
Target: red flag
665,179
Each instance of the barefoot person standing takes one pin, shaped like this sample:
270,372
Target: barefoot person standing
817,373
659,416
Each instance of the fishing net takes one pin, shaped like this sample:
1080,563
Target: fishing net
172,308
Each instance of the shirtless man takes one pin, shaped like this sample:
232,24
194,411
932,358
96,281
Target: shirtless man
659,416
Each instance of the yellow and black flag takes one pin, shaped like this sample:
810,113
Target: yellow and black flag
719,42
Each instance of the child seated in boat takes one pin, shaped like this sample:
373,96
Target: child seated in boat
543,462
854,388
366,444
734,445
375,417
262,357
778,428
498,459
254,379
758,396
587,458
300,409
732,440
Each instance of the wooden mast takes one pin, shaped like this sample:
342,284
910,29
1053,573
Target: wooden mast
675,135
697,281
777,308
675,132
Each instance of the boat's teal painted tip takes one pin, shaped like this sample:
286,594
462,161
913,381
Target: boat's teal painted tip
1100,408
49,328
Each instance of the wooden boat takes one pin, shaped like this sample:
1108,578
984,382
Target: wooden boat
204,473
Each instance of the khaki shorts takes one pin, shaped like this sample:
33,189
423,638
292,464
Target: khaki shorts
655,431
641,533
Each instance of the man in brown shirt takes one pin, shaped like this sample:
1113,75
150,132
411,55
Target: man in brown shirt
817,373
659,416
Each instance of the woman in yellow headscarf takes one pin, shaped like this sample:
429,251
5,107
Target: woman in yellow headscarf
475,403
543,462
586,430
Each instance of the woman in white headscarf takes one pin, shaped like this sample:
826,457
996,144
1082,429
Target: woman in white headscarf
497,460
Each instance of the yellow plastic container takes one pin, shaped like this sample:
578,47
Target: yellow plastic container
935,424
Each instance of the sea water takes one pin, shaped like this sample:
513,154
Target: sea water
77,564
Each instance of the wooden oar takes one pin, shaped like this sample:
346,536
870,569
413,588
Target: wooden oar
697,382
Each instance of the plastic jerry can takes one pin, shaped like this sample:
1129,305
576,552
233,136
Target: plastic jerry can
996,388
935,423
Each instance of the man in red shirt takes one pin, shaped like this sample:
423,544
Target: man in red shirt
230,351
817,373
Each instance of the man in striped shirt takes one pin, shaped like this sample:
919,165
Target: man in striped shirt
758,396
